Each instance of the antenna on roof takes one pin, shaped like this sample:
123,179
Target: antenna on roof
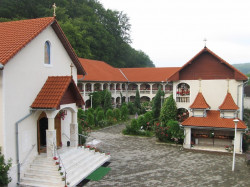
54,7
205,42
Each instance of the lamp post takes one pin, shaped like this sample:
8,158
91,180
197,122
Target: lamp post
235,123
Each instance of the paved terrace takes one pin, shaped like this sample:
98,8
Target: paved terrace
137,161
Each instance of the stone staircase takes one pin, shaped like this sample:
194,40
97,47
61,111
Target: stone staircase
42,173
78,162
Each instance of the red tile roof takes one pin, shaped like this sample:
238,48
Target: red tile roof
228,103
237,74
213,119
15,35
100,71
53,91
149,74
200,102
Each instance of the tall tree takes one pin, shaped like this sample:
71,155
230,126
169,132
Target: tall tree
156,108
169,110
93,31
137,101
107,101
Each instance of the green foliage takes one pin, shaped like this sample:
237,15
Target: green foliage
149,122
141,121
100,115
98,99
246,141
134,129
169,110
110,116
117,114
131,108
107,100
156,108
91,111
90,119
137,102
93,31
124,112
176,133
4,169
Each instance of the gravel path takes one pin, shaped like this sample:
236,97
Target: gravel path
137,161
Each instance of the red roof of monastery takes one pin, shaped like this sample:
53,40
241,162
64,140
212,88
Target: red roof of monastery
15,35
237,74
53,90
228,103
200,102
213,119
149,74
100,71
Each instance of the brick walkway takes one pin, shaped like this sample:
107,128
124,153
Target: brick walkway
140,161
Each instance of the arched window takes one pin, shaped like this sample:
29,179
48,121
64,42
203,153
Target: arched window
182,93
47,53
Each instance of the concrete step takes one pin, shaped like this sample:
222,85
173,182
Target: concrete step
42,181
41,171
30,184
56,176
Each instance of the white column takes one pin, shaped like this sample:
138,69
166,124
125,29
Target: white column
187,139
74,131
92,87
102,84
83,88
126,88
115,87
151,89
139,87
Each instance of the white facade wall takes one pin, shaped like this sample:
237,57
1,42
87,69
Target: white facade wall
1,112
214,92
24,75
247,102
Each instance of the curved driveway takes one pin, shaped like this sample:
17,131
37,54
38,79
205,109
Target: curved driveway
137,161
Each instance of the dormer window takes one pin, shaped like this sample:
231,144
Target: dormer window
47,53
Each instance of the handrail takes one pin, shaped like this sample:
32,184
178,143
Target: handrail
24,160
65,135
60,162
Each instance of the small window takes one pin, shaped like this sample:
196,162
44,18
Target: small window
47,53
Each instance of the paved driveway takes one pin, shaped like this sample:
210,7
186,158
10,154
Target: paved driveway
140,161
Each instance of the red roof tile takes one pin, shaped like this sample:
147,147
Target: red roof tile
100,71
53,91
213,119
228,103
237,74
200,102
149,74
16,34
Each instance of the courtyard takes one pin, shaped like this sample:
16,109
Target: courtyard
139,161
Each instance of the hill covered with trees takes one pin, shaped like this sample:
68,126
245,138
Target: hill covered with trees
244,68
93,31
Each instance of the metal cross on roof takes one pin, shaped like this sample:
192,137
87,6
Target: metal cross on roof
54,7
205,42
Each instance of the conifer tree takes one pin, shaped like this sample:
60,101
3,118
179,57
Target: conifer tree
169,110
156,108
137,101
107,101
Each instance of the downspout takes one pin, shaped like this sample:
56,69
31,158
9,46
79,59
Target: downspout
17,146
242,101
1,66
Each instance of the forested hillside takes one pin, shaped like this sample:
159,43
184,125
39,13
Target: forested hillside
93,31
244,68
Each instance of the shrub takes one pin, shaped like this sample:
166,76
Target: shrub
110,116
162,133
100,115
90,119
132,129
90,111
149,122
117,114
4,169
156,108
107,100
131,108
124,112
137,103
141,122
176,133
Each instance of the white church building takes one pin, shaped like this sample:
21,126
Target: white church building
39,101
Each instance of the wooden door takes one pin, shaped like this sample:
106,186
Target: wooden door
58,131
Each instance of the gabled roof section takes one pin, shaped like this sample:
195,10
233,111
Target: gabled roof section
213,120
237,75
228,103
149,74
53,92
15,35
100,71
200,102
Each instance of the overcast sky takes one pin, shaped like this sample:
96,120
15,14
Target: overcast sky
171,32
